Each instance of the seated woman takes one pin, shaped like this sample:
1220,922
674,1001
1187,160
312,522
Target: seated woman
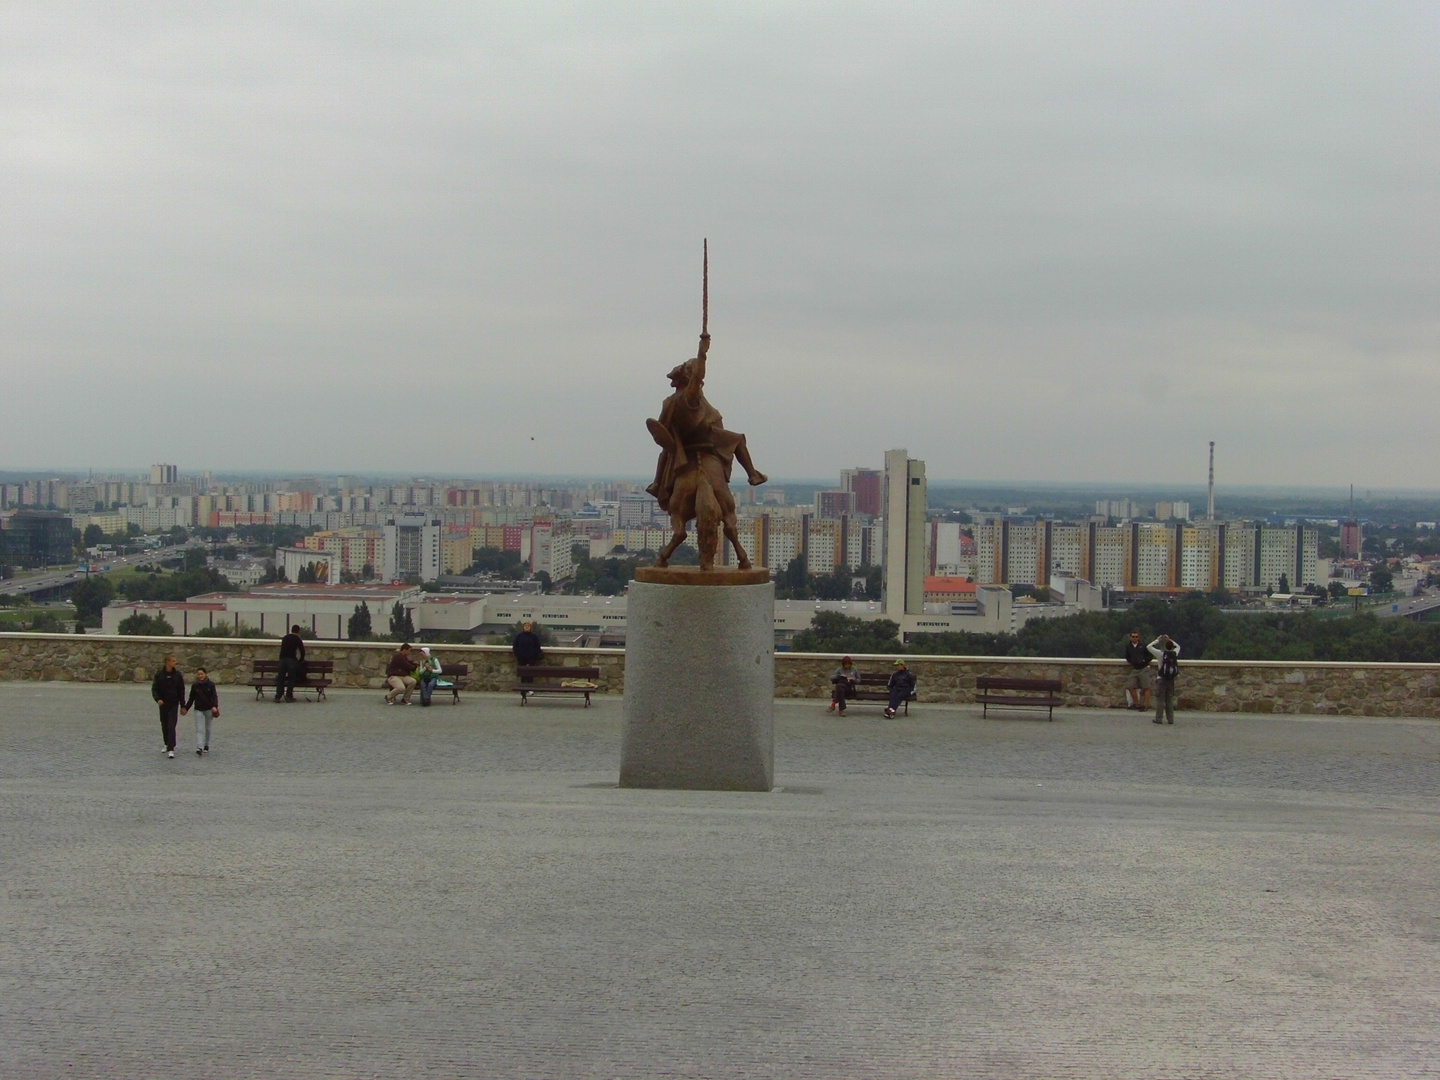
842,685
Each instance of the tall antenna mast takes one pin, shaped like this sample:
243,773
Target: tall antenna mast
705,289
1210,504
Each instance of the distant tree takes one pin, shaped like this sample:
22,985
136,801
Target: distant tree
835,585
502,564
358,625
604,577
145,625
219,630
685,555
367,572
92,536
792,582
544,579
45,622
131,529
963,644
1284,583
194,558
307,575
874,578
90,596
402,627
1381,579
832,632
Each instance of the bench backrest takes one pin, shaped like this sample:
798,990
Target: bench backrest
558,672
873,678
308,667
454,669
990,682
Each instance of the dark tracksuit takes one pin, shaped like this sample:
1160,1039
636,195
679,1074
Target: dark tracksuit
292,652
168,691
901,686
527,650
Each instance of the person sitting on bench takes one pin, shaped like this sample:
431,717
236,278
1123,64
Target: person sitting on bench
901,687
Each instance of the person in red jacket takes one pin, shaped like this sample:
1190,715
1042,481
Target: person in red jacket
400,675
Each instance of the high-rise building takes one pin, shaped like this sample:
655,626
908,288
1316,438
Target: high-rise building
834,504
412,549
902,587
164,474
867,487
550,544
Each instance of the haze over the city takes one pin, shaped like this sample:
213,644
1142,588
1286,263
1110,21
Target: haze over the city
1056,243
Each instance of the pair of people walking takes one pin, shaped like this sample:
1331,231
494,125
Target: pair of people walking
168,690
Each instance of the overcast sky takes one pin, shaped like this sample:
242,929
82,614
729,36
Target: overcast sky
1027,242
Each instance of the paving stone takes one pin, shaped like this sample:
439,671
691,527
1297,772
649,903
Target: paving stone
351,890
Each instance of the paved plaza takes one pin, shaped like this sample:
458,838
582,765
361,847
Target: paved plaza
349,890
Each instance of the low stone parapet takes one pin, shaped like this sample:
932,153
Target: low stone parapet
358,664
1255,686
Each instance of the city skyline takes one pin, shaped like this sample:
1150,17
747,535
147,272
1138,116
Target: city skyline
1068,244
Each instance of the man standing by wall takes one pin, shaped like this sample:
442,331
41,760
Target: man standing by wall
1142,679
168,690
527,649
1165,650
292,655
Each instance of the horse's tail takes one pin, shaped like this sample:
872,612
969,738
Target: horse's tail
707,520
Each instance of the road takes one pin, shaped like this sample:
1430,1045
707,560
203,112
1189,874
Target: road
43,582
1408,607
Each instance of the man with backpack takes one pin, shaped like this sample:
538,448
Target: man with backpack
1165,650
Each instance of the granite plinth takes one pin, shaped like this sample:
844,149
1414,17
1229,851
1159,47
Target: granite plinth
699,687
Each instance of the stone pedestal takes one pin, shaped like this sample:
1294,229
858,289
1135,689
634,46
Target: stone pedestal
700,681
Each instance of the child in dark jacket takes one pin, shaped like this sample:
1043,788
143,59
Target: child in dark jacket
205,699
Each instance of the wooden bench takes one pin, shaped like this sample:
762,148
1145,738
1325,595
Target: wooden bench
1018,694
874,687
457,676
552,677
315,676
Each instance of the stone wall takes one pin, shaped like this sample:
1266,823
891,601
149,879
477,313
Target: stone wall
1255,686
1207,685
360,665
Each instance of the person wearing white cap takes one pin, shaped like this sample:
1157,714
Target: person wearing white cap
429,672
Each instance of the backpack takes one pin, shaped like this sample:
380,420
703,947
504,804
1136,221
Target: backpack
1169,664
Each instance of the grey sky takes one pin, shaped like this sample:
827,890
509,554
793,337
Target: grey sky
1027,242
